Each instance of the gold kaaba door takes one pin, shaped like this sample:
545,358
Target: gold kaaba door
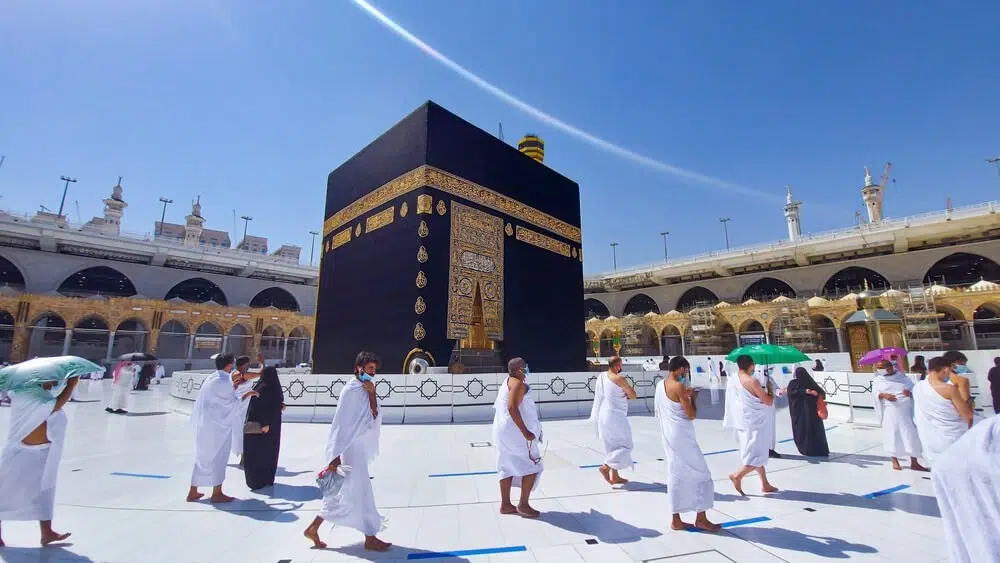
475,283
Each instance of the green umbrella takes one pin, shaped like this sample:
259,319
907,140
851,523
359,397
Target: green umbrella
28,376
769,354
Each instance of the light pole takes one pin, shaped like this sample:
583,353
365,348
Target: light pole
996,161
664,235
163,216
246,222
312,247
62,203
725,227
614,255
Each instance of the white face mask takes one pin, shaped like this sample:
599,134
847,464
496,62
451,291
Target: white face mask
881,371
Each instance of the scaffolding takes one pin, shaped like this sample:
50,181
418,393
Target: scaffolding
638,337
792,326
920,319
702,338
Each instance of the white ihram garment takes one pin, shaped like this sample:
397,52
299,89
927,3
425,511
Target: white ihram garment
757,430
28,473
967,486
899,433
689,482
212,419
160,372
240,418
732,418
515,456
938,423
121,386
609,415
354,436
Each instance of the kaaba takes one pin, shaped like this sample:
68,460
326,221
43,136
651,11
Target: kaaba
443,244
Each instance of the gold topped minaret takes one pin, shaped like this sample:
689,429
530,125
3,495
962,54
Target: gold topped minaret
532,146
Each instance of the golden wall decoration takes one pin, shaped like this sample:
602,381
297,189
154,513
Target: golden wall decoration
581,256
441,207
574,252
541,241
455,186
403,209
422,255
357,230
419,307
380,219
422,230
475,282
418,332
425,204
509,230
421,279
859,342
341,238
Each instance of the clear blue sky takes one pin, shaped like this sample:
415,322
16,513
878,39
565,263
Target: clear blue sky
251,103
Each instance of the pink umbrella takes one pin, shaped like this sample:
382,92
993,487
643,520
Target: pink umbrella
876,356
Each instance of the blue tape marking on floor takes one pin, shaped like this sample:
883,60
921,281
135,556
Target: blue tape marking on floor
467,552
142,475
785,441
884,492
470,474
596,465
832,427
735,523
722,452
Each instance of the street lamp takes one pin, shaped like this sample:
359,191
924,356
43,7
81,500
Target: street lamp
312,247
614,255
163,216
725,220
996,161
664,235
62,203
246,222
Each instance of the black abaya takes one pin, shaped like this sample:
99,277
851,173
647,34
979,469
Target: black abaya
807,426
260,451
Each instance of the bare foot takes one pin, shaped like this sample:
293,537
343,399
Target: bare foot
2,544
313,535
895,466
704,524
619,481
53,537
375,544
605,472
194,495
508,509
678,524
917,467
769,488
219,498
738,485
527,512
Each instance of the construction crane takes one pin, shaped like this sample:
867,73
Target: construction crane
885,178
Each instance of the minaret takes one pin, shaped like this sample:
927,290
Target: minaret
792,216
193,225
871,194
532,146
114,208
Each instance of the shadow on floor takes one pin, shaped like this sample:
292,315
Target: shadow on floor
257,509
823,546
51,553
907,502
300,493
144,414
282,472
858,460
598,525
396,553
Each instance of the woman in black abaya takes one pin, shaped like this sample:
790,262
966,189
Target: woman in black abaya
260,451
807,427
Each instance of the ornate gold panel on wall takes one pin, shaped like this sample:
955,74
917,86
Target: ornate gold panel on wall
509,230
422,255
403,209
892,335
425,204
475,263
418,332
421,279
419,307
380,219
858,342
341,238
422,230
542,241
441,207
357,230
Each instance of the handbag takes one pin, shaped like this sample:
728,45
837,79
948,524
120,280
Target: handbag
821,409
250,427
331,482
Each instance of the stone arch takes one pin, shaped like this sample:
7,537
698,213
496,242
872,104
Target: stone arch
272,342
7,322
197,290
11,275
90,338
607,344
131,335
767,289
97,280
697,296
277,298
239,340
986,325
751,326
640,304
962,268
952,323
671,339
852,279
727,337
172,342
207,340
595,308
299,346
826,331
48,335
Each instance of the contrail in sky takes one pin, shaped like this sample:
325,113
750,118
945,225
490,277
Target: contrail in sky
531,110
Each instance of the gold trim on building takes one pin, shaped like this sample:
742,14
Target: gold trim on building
341,238
357,230
380,219
421,279
403,209
422,255
422,230
533,238
425,203
418,332
419,307
441,207
509,230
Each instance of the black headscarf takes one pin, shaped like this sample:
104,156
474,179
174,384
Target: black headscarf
803,378
269,387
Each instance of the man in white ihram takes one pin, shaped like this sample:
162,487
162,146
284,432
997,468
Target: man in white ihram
159,373
893,392
756,430
941,411
212,418
609,415
517,430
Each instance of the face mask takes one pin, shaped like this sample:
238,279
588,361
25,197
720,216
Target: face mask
962,369
527,372
881,371
365,377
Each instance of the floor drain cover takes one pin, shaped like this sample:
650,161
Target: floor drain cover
809,509
591,542
481,444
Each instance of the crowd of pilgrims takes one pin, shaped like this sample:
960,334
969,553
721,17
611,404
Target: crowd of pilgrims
238,411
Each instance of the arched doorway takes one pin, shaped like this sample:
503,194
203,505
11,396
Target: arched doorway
10,275
987,327
672,341
6,335
271,342
767,289
48,336
607,344
130,336
727,339
640,304
197,290
275,297
953,328
696,297
240,341
826,333
99,280
852,280
172,343
962,268
90,339
298,346
642,343
207,341
752,332
594,308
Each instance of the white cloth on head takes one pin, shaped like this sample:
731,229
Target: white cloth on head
354,436
240,418
757,429
121,386
609,415
28,474
212,419
966,481
515,455
938,423
689,482
899,433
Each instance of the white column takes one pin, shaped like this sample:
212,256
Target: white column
284,352
972,335
659,340
190,353
683,347
111,345
767,336
840,340
67,341
225,343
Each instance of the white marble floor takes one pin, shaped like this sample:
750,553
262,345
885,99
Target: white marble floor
123,479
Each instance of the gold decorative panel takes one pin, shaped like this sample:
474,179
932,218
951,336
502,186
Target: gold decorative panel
419,307
418,332
403,209
341,238
509,230
425,204
422,255
574,252
475,283
454,186
380,219
421,279
541,241
441,207
422,230
859,342
357,230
